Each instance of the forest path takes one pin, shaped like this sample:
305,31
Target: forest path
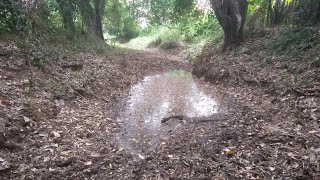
159,96
231,132
104,122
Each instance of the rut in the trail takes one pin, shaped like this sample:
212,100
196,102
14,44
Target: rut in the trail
157,97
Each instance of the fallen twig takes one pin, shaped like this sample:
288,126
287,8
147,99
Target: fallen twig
217,117
180,117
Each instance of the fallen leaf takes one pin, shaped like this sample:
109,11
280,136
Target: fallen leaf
95,154
56,134
26,119
65,153
88,163
229,152
4,165
141,157
312,132
272,169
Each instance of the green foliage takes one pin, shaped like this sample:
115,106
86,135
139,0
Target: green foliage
120,20
12,16
308,11
58,90
160,11
257,14
183,8
263,13
189,29
180,73
39,60
294,43
168,23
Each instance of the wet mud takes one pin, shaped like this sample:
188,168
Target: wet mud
155,97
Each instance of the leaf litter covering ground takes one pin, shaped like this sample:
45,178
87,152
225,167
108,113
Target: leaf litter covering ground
60,124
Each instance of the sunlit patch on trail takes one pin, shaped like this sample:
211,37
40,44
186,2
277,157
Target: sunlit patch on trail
156,97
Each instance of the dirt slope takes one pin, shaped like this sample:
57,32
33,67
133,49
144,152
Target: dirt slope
56,122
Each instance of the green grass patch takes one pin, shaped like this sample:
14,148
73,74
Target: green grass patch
180,73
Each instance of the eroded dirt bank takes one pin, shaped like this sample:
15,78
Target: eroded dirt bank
278,130
60,123
57,121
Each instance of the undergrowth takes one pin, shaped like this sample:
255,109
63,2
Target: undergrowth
41,47
172,37
294,42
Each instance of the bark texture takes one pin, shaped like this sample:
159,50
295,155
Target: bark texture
67,17
99,6
93,16
231,15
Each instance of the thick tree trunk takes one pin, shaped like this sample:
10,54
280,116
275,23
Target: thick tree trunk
99,7
93,16
87,14
67,17
231,15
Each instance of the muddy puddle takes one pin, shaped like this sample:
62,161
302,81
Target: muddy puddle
156,97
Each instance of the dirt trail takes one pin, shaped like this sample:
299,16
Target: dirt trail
69,130
157,97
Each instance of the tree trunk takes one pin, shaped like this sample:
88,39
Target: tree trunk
269,13
276,11
93,16
67,17
87,13
231,15
99,7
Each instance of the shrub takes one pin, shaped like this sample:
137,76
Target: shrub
294,42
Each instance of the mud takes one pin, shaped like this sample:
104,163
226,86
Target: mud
155,97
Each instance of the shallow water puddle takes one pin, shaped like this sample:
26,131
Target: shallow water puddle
156,97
